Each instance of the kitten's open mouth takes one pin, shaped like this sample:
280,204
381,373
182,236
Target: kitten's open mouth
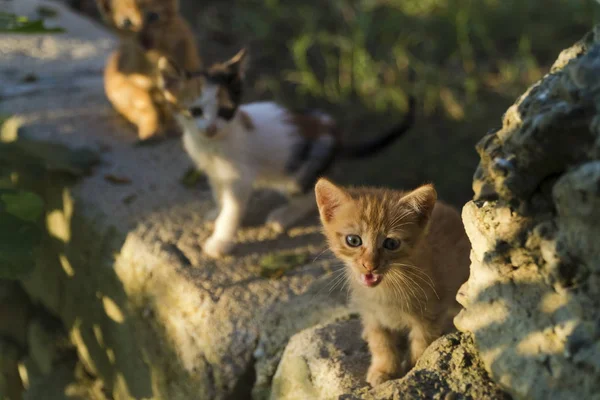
370,280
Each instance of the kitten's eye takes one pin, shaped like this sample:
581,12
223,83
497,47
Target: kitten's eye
196,112
391,244
152,17
126,23
353,240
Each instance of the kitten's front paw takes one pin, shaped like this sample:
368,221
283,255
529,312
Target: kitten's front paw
216,247
376,376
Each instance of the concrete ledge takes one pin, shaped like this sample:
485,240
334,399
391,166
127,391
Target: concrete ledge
122,266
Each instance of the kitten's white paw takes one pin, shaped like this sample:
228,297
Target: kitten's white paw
216,247
212,214
376,376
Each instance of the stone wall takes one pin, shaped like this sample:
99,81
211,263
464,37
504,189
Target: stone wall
533,298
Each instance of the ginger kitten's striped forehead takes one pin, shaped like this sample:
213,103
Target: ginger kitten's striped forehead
374,211
381,209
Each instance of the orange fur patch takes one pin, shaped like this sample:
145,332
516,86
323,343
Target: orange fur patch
131,82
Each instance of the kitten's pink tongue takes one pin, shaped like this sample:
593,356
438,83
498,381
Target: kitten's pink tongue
370,280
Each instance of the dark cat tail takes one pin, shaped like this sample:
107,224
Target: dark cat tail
369,148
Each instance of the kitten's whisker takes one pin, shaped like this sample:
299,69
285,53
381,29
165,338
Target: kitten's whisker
419,272
410,288
337,281
399,218
422,275
417,285
320,254
394,224
331,277
424,281
346,286
399,292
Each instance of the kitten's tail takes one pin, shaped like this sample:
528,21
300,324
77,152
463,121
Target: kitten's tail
369,148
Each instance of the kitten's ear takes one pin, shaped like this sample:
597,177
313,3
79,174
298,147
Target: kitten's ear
237,64
422,201
329,198
170,78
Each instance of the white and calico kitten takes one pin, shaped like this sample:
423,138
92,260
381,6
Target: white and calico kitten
242,146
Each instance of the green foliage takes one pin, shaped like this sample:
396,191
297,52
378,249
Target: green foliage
191,177
275,265
344,51
20,231
23,162
11,23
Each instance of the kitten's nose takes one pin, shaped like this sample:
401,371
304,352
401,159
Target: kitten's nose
369,266
211,130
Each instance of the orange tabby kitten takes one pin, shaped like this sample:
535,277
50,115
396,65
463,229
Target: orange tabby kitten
406,257
148,30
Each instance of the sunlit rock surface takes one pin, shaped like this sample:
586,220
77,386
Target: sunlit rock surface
533,297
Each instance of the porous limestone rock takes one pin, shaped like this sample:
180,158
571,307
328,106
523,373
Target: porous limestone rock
449,369
330,361
322,362
122,266
532,300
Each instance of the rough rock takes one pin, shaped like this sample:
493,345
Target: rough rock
322,362
15,312
48,345
318,305
11,385
449,369
330,361
532,299
122,266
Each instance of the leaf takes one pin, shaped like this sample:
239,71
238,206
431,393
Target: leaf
20,232
191,177
11,23
46,12
30,78
275,265
27,206
117,180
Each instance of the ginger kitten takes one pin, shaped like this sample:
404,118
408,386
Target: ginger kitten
240,146
148,30
406,256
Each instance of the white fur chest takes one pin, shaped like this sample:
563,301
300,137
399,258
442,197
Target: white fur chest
381,305
210,155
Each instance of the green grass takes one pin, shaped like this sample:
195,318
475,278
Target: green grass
473,58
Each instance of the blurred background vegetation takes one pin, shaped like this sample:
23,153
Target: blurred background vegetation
473,58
